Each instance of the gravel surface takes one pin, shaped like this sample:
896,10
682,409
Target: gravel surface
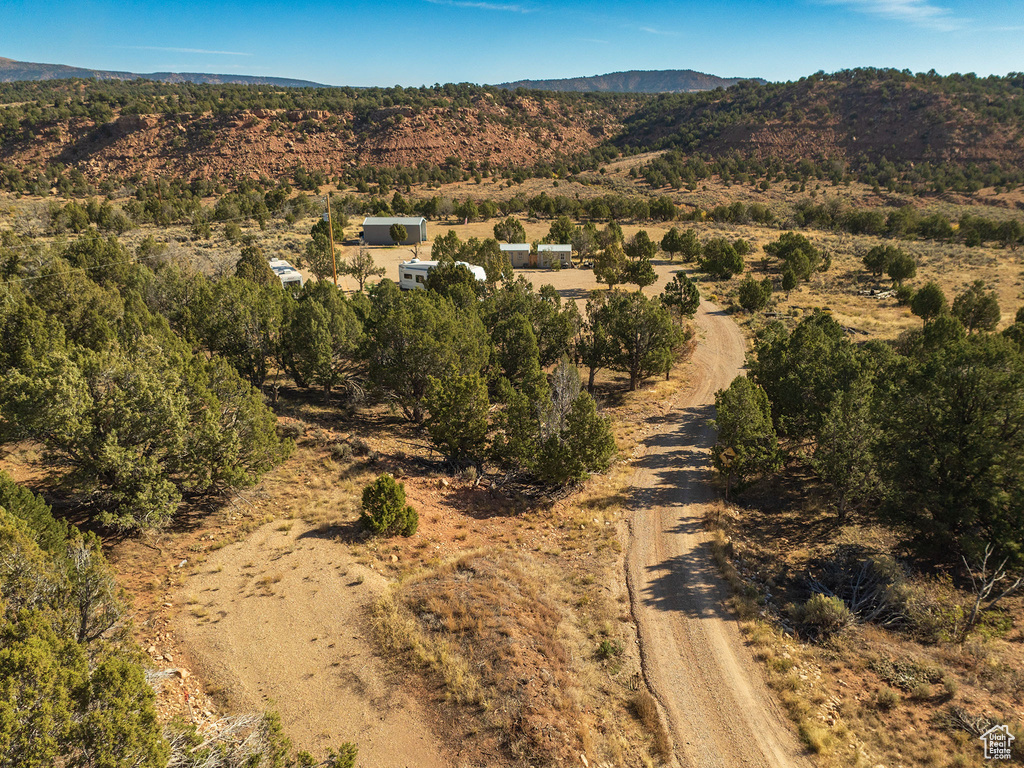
718,709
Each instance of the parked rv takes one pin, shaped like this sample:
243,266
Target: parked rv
289,276
413,274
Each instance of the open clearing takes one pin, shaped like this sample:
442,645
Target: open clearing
279,621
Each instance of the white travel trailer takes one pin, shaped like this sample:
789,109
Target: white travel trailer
289,276
413,274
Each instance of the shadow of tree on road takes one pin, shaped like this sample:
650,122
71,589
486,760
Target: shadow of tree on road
689,584
681,473
680,465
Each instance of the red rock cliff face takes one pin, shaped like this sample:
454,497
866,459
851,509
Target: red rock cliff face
891,121
273,143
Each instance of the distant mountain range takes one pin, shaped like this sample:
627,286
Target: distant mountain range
11,71
636,81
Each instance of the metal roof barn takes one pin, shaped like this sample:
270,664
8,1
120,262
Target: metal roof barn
377,229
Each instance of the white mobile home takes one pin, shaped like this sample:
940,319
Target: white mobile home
377,229
413,274
289,276
518,253
547,254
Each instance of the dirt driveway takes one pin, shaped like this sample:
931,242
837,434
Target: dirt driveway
719,710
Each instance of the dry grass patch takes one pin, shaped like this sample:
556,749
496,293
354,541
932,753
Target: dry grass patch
495,634
483,628
867,694
646,708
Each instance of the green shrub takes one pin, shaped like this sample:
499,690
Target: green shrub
345,757
341,451
951,684
50,534
608,649
826,614
385,512
754,295
904,295
922,692
291,431
886,698
816,737
906,673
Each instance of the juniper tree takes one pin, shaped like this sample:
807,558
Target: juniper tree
610,265
252,265
641,247
802,372
844,455
561,230
510,230
419,334
977,308
900,267
796,253
141,425
458,406
672,243
689,245
319,258
720,260
398,235
681,295
754,295
640,335
243,325
747,446
361,267
952,446
384,511
321,338
929,302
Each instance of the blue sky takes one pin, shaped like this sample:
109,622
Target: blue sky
421,42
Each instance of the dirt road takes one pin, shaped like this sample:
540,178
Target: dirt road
719,711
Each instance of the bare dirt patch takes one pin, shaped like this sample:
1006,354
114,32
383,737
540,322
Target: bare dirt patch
278,621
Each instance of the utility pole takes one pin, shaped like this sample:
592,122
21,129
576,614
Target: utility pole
330,230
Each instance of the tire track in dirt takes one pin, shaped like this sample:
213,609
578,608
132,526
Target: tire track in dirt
719,711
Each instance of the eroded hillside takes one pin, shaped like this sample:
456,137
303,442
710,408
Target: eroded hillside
857,116
859,119
273,142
